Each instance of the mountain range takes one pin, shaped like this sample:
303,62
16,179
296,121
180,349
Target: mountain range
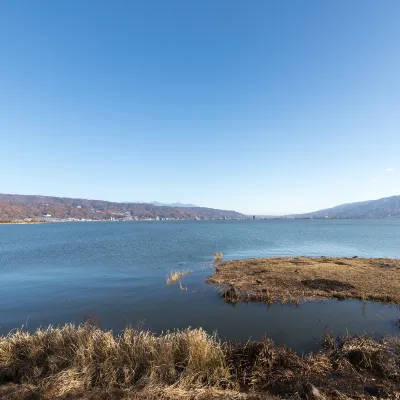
17,207
381,208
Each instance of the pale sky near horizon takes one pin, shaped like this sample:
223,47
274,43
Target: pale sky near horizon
264,107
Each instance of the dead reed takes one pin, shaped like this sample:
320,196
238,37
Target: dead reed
85,362
217,258
175,276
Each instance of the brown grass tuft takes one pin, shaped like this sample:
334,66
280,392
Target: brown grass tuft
69,359
363,353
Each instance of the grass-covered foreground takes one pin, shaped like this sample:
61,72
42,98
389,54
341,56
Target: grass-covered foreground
297,279
87,363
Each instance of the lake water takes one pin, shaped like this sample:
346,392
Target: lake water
57,273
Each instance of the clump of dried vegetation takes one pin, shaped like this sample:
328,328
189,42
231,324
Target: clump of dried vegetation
74,360
298,279
176,276
217,258
85,362
216,261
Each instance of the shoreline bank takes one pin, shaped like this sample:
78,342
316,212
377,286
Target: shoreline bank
86,362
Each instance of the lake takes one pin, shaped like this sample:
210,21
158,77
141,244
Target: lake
115,272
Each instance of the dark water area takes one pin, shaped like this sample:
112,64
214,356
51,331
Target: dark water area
116,272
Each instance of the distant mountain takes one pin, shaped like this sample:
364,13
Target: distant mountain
381,208
158,204
15,207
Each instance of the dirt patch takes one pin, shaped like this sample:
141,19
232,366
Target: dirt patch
299,279
14,391
327,285
341,263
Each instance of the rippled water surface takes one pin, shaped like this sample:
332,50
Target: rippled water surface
57,273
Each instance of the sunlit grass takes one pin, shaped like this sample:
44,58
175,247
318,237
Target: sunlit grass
175,276
75,359
86,362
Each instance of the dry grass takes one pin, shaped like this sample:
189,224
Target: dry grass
217,258
176,276
87,363
72,360
298,279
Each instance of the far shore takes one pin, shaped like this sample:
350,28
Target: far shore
300,279
21,222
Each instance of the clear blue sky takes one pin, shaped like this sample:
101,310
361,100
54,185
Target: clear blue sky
258,106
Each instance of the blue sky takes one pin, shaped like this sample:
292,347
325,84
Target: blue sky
258,106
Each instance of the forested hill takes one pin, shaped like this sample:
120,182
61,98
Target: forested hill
382,208
17,207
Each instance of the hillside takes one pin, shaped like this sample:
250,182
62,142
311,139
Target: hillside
157,203
17,207
381,208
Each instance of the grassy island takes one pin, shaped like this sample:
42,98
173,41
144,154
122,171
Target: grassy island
298,279
87,363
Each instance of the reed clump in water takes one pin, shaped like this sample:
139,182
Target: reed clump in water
175,276
217,259
85,362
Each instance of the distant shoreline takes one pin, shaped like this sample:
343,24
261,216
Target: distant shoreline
21,222
56,220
